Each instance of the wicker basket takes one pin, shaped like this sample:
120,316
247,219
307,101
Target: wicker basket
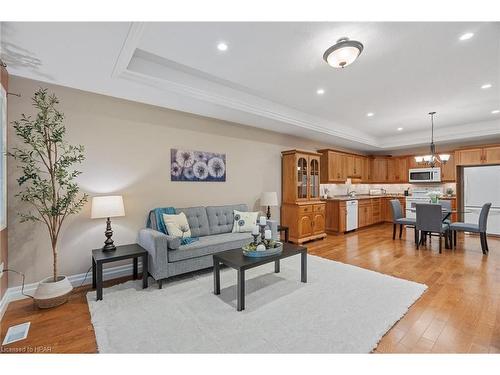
52,302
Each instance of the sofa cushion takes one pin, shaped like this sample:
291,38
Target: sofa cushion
209,245
221,218
197,219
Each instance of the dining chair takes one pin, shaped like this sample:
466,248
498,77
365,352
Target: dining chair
446,206
430,221
398,218
480,228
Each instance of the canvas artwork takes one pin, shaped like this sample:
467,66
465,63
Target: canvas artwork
187,165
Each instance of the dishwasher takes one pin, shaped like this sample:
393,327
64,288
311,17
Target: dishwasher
351,208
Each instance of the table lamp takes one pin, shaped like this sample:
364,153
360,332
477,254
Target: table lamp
269,198
107,207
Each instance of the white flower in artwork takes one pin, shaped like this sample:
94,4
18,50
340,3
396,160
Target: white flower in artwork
200,170
216,167
185,158
175,169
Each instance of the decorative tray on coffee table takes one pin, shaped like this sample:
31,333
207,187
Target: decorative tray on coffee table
250,250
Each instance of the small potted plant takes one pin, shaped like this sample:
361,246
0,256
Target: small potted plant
47,183
449,192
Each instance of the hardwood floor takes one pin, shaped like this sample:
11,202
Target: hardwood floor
459,313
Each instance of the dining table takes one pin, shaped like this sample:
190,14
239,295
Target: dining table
446,215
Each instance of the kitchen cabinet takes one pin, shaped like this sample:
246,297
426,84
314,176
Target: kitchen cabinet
302,210
401,169
364,213
353,166
448,170
491,155
333,167
473,156
379,169
366,175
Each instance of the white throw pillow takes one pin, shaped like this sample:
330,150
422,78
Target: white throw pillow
244,221
174,223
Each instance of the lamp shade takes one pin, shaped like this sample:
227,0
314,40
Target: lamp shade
269,198
108,206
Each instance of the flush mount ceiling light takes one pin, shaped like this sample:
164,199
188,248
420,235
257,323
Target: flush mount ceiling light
343,53
466,36
370,114
400,129
495,111
320,91
486,86
222,46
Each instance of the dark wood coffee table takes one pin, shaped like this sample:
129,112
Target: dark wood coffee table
236,260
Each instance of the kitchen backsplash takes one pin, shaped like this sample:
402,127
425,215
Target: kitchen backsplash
341,189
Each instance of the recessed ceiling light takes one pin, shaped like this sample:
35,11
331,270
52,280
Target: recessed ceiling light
222,46
320,91
399,129
495,111
370,114
486,86
466,36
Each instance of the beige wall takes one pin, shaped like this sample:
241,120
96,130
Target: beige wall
128,152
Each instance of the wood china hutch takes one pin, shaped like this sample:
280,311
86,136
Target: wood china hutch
302,209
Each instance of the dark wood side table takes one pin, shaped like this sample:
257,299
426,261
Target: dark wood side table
100,257
282,228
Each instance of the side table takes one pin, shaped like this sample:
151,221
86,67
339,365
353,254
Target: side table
100,257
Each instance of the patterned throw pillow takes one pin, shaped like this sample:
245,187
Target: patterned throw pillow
177,225
244,221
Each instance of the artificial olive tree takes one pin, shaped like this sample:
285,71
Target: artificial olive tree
47,163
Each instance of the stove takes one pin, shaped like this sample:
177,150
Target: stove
418,196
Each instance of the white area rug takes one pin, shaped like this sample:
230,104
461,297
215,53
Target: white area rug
341,309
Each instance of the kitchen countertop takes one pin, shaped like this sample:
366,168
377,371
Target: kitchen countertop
366,196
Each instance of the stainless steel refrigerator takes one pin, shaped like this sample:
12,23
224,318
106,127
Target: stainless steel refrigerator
482,185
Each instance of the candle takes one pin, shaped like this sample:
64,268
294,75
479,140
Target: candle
262,220
268,234
255,230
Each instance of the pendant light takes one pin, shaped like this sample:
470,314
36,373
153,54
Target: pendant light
433,159
343,53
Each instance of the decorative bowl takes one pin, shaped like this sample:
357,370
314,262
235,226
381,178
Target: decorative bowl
249,250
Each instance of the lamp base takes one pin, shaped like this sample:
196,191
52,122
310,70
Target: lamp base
108,244
268,214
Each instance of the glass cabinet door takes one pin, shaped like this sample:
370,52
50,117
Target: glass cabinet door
314,178
301,178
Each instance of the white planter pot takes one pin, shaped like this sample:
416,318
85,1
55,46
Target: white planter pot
52,293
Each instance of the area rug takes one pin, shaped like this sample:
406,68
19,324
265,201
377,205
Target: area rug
341,309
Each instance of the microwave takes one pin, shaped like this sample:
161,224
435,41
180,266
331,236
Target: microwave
424,175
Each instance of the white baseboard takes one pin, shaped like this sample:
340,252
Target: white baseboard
14,293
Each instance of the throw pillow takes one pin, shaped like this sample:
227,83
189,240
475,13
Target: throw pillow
177,225
244,221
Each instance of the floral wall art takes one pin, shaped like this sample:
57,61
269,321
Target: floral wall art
187,165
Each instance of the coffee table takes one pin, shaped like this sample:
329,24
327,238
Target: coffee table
236,260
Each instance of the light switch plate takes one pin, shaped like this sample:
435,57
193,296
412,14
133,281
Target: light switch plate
1,270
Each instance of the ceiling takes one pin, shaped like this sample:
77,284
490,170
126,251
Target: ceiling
269,75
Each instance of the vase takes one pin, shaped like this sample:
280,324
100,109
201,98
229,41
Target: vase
434,199
52,293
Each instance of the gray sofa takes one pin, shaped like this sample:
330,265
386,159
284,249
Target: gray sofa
213,225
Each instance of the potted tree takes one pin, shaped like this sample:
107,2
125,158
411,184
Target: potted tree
47,183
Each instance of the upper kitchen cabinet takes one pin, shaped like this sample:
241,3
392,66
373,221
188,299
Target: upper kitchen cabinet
478,156
448,170
354,166
379,169
301,176
333,166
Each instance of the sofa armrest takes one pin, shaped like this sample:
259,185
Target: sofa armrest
151,239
